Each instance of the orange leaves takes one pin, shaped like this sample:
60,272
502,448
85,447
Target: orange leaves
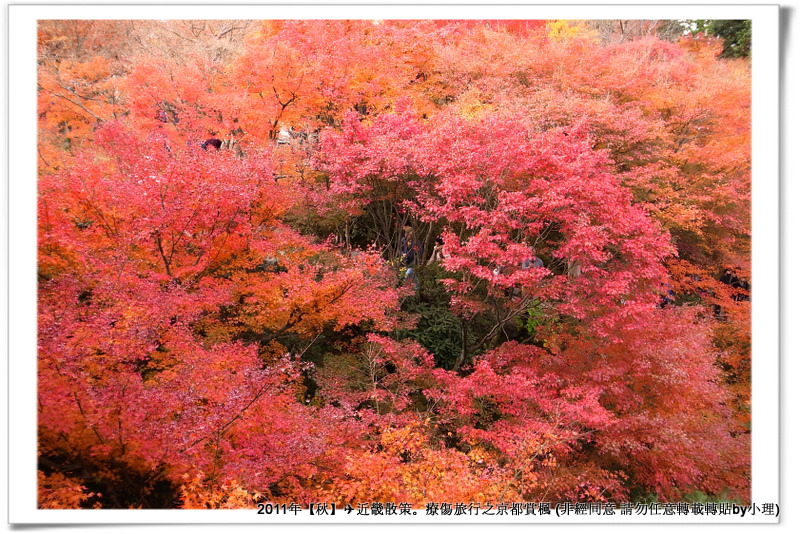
57,491
197,494
301,288
407,469
78,86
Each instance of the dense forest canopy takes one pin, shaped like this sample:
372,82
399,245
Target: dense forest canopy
392,261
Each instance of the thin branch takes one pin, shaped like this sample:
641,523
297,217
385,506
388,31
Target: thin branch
84,108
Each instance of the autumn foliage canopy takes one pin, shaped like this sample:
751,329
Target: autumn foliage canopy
384,261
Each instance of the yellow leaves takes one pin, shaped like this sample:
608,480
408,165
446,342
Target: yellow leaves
473,104
562,30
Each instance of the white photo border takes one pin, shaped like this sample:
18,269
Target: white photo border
22,240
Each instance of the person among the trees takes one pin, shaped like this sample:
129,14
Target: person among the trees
213,142
437,254
742,287
669,297
410,251
534,261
